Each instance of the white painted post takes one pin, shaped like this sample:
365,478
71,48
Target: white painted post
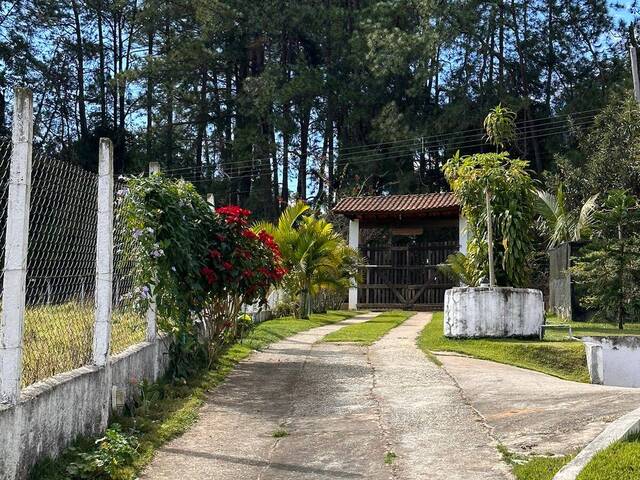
152,315
211,201
16,248
463,234
354,242
104,254
154,167
634,72
152,329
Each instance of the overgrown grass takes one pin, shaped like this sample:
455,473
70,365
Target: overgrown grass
58,338
168,410
561,358
533,467
621,461
369,331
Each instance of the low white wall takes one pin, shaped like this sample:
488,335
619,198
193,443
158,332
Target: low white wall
492,312
51,414
614,360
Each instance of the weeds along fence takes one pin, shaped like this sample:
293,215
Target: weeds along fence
52,328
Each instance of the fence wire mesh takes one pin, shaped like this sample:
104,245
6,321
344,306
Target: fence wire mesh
5,161
128,325
61,267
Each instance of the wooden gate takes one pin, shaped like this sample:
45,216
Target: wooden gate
405,276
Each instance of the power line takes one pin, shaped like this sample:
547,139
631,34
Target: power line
266,169
579,119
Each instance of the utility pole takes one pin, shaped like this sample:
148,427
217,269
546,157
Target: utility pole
633,52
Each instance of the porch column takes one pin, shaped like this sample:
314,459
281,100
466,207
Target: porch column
354,242
462,233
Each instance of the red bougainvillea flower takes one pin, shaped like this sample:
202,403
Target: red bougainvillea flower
249,234
244,254
278,273
227,265
270,243
247,273
234,214
233,210
215,254
209,275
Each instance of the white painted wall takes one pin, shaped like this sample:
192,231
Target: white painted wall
354,242
51,414
614,360
492,312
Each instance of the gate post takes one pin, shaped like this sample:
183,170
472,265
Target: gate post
16,248
354,242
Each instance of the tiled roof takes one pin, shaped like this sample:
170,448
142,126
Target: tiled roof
397,204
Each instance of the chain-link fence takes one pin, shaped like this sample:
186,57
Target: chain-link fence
5,161
61,266
61,269
128,325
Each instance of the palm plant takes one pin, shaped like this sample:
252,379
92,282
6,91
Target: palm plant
316,256
561,224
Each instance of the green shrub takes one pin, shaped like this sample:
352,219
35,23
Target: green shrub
112,451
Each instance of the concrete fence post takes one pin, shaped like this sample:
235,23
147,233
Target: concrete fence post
16,248
104,255
152,316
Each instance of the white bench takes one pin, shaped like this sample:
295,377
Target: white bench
542,327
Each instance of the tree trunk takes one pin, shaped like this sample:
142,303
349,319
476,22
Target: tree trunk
550,54
80,60
492,274
305,302
621,267
274,167
305,113
201,119
285,170
501,47
150,38
102,94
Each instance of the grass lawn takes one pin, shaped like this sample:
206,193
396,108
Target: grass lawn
370,331
621,461
172,408
561,358
540,468
556,355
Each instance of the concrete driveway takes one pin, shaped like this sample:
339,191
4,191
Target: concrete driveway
531,412
344,409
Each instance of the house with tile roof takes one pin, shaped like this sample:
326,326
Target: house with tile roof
403,239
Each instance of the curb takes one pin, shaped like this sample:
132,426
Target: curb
620,429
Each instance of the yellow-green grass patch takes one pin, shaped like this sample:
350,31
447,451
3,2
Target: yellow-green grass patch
371,330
